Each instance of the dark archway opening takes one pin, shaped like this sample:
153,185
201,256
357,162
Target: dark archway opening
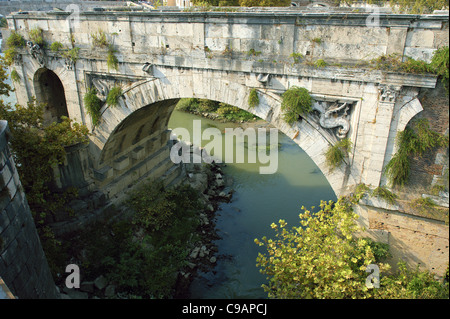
50,91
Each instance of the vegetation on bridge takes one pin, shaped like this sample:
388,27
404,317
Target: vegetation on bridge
296,103
415,140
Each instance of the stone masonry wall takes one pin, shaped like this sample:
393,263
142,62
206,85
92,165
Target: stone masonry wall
23,265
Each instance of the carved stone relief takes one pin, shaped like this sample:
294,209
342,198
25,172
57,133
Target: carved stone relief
388,93
37,53
334,115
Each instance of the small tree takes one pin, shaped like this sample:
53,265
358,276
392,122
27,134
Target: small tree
320,258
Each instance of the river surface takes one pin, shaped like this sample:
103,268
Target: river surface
258,201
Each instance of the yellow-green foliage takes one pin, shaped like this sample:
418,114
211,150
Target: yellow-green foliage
319,259
324,258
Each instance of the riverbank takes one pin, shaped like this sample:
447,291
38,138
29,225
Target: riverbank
158,248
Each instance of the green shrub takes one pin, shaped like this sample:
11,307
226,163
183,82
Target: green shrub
336,154
15,40
113,96
296,57
56,46
36,36
10,55
3,22
93,105
253,99
320,63
296,102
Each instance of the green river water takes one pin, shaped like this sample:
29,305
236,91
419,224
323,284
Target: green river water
258,201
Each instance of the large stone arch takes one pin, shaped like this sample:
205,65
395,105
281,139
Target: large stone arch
159,95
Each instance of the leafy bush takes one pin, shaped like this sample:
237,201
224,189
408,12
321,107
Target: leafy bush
56,46
93,105
336,154
296,102
320,63
233,113
113,96
318,259
10,55
187,105
15,40
324,258
412,284
72,54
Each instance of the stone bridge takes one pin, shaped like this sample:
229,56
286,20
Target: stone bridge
163,56
222,56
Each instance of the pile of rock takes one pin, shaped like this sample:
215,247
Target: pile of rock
100,288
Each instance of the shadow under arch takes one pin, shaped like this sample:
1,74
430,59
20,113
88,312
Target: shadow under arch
50,91
151,103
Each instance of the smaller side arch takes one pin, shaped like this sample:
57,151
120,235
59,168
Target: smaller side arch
49,90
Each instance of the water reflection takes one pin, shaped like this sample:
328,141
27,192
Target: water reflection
258,201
